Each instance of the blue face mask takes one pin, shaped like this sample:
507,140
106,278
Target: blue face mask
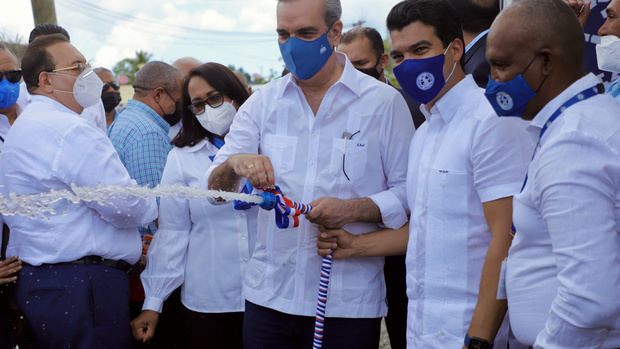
9,91
305,58
422,79
511,97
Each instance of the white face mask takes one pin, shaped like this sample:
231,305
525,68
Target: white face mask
217,120
608,53
87,87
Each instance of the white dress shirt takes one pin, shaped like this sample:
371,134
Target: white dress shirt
50,147
202,246
306,152
462,156
563,273
95,114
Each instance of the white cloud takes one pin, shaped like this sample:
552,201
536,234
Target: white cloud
258,16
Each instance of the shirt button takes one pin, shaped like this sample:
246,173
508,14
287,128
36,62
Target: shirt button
243,237
441,333
245,260
443,185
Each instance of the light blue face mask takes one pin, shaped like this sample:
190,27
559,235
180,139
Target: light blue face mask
9,92
305,58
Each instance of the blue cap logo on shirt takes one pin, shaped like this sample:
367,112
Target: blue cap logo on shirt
425,81
504,100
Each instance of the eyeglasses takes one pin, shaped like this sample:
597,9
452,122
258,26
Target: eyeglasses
11,75
346,136
107,85
80,67
214,101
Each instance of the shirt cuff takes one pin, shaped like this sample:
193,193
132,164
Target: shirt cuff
499,191
393,214
559,334
152,303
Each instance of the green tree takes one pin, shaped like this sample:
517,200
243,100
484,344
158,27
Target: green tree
130,66
389,73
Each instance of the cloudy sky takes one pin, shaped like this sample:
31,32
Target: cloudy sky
239,32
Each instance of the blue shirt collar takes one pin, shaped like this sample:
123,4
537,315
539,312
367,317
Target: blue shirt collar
475,40
142,108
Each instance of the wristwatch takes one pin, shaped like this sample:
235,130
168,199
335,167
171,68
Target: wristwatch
477,343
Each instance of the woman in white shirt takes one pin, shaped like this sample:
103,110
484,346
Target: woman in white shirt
202,246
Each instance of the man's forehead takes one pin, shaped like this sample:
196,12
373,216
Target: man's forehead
297,14
412,34
359,45
65,53
508,31
6,58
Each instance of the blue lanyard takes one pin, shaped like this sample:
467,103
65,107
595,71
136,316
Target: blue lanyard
581,96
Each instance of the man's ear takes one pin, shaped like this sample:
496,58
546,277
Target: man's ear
45,83
335,32
547,59
458,49
156,93
384,59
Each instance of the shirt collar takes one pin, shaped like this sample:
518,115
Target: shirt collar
475,40
52,102
348,79
545,113
144,109
203,143
449,104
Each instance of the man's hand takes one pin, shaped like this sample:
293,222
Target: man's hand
330,213
581,9
8,268
144,325
338,242
256,168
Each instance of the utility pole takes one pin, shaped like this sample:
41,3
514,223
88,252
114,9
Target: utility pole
43,11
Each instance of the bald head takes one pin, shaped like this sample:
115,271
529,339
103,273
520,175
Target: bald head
157,74
186,64
543,24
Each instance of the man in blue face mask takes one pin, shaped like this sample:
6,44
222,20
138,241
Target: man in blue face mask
464,166
332,136
562,274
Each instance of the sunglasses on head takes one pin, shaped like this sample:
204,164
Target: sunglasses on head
110,84
11,75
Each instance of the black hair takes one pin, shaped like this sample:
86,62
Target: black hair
476,16
438,14
223,80
36,59
376,42
47,29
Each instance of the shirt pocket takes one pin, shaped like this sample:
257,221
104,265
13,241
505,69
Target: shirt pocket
353,163
448,192
281,150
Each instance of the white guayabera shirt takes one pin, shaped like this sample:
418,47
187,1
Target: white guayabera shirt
563,274
205,247
462,156
51,147
307,154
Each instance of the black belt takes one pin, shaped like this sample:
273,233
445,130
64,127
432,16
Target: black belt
94,260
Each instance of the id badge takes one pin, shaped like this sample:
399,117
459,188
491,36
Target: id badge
501,287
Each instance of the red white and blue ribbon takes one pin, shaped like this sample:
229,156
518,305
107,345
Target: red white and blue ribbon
287,216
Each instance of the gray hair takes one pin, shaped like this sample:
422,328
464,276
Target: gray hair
157,74
333,11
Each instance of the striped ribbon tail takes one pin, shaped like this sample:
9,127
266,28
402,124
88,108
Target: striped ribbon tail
319,321
287,216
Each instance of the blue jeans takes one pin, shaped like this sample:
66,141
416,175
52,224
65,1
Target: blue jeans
265,328
75,305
